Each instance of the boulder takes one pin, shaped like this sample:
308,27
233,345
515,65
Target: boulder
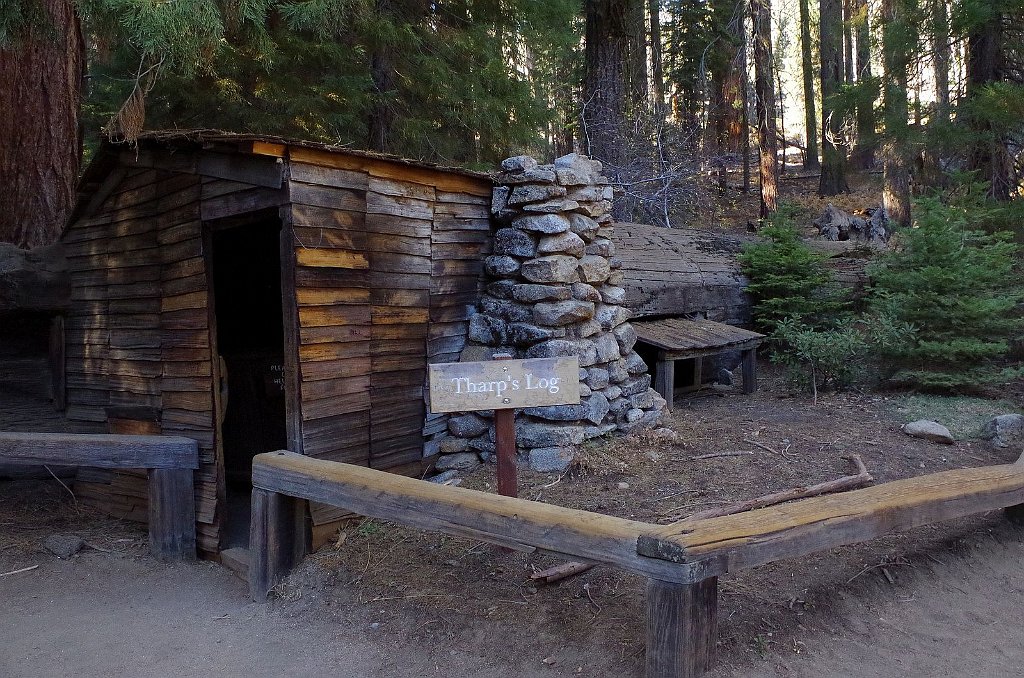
626,336
530,434
518,163
551,268
507,310
1006,430
515,242
610,315
594,269
597,378
612,294
525,334
929,430
483,329
552,206
607,348
561,243
501,265
549,459
527,193
542,223
463,461
583,226
531,293
501,289
64,545
558,313
585,292
453,445
467,426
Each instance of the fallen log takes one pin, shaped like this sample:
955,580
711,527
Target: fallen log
861,479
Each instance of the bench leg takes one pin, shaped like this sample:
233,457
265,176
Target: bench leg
172,514
664,380
749,370
278,539
682,628
1016,514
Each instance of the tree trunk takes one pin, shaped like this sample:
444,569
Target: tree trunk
657,69
40,136
895,161
848,75
810,103
637,59
380,125
941,38
764,94
604,82
746,120
833,166
986,63
863,155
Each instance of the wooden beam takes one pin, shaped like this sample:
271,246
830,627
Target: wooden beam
682,628
516,523
718,545
279,537
172,515
665,379
750,370
100,450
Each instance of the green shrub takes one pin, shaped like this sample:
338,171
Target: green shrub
953,290
819,358
788,280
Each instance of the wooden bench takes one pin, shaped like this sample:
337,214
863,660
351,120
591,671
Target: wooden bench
684,339
169,459
682,561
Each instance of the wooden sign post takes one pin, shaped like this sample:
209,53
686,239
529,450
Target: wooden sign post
503,385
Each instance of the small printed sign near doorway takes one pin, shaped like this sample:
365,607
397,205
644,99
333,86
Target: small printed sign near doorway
503,384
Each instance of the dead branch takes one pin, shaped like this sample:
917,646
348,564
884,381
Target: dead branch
838,485
715,455
559,572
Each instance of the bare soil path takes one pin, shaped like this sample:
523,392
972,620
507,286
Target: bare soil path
385,601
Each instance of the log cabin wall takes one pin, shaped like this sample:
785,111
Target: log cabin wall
381,266
138,332
387,265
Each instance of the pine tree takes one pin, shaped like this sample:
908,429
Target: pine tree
898,41
810,103
956,286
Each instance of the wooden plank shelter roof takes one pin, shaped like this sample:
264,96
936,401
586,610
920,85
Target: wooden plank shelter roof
681,334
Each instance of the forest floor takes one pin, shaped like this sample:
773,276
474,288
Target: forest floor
383,600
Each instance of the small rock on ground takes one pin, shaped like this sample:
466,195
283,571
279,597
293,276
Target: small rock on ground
64,545
1004,430
929,430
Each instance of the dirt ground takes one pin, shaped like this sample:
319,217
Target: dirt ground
388,601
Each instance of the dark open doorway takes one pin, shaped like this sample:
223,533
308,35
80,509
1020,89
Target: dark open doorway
250,341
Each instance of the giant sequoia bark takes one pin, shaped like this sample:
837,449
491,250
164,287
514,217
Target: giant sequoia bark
863,154
833,165
896,29
764,92
40,138
986,63
810,103
604,82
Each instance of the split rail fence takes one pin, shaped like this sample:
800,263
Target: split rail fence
169,459
682,561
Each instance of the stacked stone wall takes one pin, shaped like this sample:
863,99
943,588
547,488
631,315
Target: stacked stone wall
554,288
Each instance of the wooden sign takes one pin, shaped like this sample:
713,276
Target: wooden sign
503,384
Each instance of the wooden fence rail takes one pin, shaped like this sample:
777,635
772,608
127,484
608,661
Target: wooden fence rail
682,561
169,459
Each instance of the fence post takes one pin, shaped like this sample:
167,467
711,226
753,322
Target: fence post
682,628
172,514
278,538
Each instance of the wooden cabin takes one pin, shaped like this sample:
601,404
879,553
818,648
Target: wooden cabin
256,293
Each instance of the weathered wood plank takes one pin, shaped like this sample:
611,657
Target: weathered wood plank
278,538
99,450
462,512
682,628
172,515
330,258
730,543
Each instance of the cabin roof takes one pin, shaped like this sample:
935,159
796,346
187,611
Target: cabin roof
263,145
